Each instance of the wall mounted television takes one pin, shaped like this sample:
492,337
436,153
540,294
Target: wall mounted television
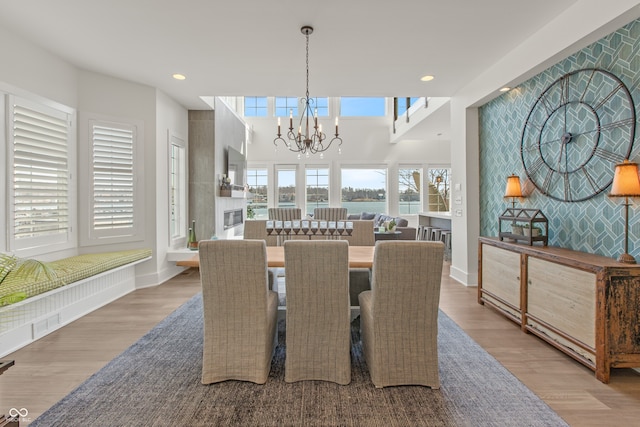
236,167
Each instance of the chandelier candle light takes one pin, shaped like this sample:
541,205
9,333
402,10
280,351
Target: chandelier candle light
312,140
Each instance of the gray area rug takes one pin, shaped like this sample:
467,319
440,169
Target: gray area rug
156,382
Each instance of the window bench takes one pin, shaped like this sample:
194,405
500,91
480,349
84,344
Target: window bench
83,284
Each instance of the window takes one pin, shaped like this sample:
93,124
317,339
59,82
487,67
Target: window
177,191
409,190
255,106
257,180
286,187
317,188
113,204
284,105
322,106
364,190
363,107
402,105
40,193
439,190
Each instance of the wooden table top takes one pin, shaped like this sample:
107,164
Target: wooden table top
359,257
5,364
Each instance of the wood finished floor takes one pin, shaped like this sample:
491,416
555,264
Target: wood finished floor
50,368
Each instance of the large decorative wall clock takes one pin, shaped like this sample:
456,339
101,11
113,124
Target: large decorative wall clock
578,129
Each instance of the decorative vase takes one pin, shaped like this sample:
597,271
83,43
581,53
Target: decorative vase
192,242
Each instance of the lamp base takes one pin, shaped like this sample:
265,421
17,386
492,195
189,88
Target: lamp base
627,259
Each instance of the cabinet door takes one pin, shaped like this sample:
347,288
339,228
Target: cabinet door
565,298
501,278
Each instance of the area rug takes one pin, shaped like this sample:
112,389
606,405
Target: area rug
156,382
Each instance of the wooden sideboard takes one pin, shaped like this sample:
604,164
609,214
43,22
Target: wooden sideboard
586,305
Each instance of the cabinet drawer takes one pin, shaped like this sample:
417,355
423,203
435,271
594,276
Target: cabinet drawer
564,297
501,277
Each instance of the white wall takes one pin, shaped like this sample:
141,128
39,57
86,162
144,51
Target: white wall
583,23
171,119
29,70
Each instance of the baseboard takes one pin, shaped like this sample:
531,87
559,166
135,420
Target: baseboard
39,327
155,279
463,277
36,317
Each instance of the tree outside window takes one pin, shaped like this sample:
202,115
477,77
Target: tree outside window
409,190
257,204
364,190
439,191
286,188
317,188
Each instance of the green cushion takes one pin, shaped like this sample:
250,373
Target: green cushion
67,270
7,263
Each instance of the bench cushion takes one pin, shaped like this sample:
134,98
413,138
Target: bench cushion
15,287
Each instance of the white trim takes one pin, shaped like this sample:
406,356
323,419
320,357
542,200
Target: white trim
88,236
35,317
180,240
39,245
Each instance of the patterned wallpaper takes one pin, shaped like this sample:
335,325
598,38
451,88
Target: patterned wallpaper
595,225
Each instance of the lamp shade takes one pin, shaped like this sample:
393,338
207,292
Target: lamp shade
626,182
513,187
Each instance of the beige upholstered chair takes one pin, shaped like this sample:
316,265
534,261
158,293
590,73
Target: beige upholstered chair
399,316
285,214
362,234
318,315
330,214
257,229
239,311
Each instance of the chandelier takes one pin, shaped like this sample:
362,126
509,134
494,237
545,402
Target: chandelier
312,140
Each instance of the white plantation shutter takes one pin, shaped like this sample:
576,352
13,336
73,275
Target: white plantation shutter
113,159
40,141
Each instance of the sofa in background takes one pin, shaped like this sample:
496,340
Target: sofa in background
402,225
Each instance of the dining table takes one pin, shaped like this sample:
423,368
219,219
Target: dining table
359,257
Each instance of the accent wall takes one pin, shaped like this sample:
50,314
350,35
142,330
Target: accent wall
595,225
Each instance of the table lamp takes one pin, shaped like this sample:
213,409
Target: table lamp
513,189
626,183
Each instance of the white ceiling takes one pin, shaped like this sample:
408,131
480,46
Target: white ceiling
254,47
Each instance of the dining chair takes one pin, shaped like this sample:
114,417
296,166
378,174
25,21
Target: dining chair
240,312
362,234
284,214
330,214
257,229
318,336
399,315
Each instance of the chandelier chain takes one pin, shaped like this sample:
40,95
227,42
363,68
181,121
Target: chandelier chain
312,140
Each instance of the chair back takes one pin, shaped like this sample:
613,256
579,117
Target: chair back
399,316
362,234
330,214
285,214
318,311
257,229
406,279
239,311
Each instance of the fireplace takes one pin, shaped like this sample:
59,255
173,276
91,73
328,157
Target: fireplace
233,218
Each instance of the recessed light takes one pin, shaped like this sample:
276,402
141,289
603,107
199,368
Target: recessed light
427,78
178,76
505,89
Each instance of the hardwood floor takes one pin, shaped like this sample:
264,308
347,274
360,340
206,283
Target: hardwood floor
50,368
